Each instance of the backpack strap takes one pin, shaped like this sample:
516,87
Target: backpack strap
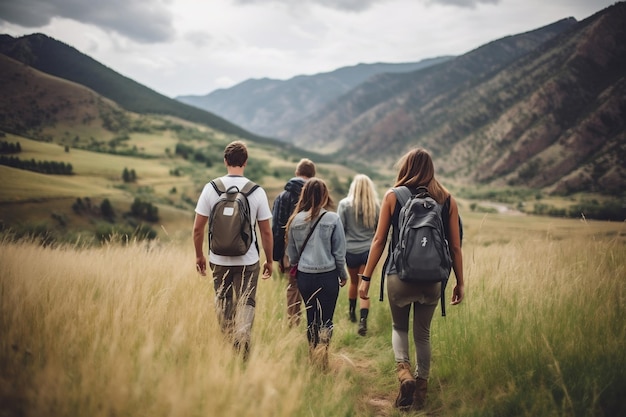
311,232
422,191
249,188
403,194
218,185
220,188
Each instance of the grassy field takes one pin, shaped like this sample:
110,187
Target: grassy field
31,202
130,330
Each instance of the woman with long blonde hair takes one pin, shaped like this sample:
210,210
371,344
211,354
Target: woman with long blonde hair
359,213
415,169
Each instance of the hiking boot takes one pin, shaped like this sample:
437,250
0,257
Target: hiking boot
353,316
404,401
319,356
419,399
242,349
363,326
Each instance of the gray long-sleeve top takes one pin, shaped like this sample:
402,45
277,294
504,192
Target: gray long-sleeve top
358,236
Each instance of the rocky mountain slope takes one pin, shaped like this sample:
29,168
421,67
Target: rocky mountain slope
544,109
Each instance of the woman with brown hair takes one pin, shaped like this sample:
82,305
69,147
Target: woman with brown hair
316,247
415,169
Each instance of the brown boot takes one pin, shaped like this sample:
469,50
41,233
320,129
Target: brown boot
407,386
421,387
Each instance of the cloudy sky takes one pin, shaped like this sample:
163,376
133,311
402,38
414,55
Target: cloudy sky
180,47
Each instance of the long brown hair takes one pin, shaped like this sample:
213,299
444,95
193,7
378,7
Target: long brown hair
416,169
313,198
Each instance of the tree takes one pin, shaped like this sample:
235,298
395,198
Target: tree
107,209
144,210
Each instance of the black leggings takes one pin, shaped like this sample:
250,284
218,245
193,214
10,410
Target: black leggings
320,293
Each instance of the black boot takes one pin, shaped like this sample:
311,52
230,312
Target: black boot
362,326
363,322
352,310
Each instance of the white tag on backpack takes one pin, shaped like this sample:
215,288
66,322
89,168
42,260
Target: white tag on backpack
228,211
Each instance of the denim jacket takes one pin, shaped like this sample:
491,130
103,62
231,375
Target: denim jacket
326,249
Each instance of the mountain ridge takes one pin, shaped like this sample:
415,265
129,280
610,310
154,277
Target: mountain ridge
270,107
396,96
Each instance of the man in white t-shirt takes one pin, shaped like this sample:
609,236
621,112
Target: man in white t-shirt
235,277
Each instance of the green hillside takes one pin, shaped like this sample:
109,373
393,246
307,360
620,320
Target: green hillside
56,58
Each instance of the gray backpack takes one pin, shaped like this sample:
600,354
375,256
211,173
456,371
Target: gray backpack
231,227
421,254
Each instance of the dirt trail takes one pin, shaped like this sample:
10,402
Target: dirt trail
377,402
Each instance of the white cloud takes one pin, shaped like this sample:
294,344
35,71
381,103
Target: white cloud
146,21
180,47
344,5
463,3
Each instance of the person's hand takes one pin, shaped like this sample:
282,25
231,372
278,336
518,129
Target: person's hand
364,289
201,265
267,269
342,281
458,294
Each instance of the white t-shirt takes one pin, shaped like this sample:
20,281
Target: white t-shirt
259,210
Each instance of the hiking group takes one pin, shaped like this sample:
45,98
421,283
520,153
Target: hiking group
318,249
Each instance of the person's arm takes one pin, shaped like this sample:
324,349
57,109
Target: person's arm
278,233
268,244
276,214
338,248
199,225
378,243
290,250
341,212
454,242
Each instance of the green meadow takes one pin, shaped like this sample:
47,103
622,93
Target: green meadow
31,202
129,329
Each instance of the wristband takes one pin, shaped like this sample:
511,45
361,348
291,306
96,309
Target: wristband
365,278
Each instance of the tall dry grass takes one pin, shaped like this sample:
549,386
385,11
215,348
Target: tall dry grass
542,331
130,330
